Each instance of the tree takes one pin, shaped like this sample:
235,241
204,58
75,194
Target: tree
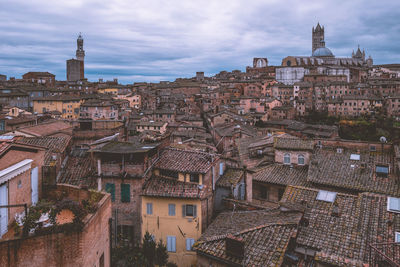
149,249
148,254
161,254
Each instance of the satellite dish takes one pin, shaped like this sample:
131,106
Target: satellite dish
383,139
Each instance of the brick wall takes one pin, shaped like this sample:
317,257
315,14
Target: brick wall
279,156
64,249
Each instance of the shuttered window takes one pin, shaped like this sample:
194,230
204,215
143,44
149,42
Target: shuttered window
125,193
110,188
149,208
189,210
189,243
171,209
171,243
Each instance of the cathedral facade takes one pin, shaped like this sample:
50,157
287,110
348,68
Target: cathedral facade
322,61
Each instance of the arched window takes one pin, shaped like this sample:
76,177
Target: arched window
260,63
300,159
286,158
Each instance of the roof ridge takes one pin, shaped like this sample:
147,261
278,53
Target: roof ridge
255,228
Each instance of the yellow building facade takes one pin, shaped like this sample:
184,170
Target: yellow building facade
68,106
168,219
110,91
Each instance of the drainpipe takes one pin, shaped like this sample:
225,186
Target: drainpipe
110,239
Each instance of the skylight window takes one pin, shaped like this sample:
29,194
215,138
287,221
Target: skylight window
326,196
393,204
355,157
382,171
397,237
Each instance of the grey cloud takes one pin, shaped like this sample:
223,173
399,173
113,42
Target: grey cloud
149,40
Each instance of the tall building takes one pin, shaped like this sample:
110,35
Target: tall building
318,37
76,67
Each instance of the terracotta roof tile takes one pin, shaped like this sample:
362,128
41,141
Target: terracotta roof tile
168,187
293,144
328,167
185,161
282,175
230,177
266,235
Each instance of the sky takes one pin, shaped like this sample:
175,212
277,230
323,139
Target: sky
153,40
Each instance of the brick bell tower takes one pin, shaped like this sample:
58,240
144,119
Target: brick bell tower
80,55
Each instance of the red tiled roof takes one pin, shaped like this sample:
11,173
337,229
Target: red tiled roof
266,235
185,161
168,187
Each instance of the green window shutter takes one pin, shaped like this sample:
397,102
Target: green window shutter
110,188
125,192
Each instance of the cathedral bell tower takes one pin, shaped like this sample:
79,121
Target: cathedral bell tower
318,37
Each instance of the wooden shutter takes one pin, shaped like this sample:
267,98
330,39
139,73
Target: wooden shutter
188,247
171,209
183,210
194,210
110,188
125,192
173,243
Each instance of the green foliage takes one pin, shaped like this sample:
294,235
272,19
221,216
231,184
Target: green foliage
148,254
149,248
35,212
161,254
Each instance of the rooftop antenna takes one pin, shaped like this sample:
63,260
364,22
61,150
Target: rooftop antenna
383,141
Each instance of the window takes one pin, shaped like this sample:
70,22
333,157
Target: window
149,208
189,210
171,209
169,173
393,204
221,168
125,233
264,192
326,196
372,148
281,191
397,237
110,188
189,243
300,159
286,158
125,193
171,243
194,177
382,171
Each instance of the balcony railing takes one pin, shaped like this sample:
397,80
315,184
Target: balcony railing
384,254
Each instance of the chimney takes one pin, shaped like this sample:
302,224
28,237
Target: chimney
234,246
335,211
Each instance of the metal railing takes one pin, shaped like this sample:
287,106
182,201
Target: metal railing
384,254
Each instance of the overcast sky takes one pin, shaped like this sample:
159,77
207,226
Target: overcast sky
150,40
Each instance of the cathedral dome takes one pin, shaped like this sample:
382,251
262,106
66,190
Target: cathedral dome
322,52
